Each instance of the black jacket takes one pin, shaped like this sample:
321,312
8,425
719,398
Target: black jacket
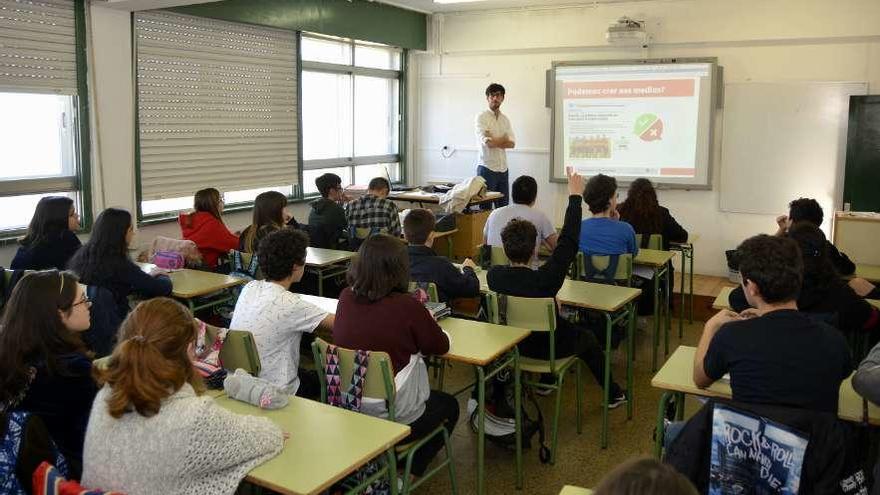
671,230
46,255
841,261
548,278
327,224
426,266
832,454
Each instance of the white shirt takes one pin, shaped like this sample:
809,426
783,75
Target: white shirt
494,159
500,217
277,318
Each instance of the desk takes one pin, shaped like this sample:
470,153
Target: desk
575,490
478,344
870,273
616,304
722,300
327,263
326,444
189,284
659,262
676,378
421,197
446,234
687,253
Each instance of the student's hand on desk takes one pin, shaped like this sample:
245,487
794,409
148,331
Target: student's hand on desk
469,263
156,271
861,286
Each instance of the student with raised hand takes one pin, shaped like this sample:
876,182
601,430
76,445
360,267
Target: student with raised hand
269,215
103,261
205,227
521,280
774,353
426,266
328,227
277,317
523,192
376,313
46,369
643,212
50,240
604,233
151,431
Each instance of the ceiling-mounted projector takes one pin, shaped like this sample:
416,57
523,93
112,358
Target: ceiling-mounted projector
627,32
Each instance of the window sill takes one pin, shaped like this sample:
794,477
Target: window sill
159,218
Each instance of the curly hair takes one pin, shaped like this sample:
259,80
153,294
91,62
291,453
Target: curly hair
599,191
641,208
280,251
774,264
805,210
518,238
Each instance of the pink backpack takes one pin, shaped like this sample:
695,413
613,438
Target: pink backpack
169,260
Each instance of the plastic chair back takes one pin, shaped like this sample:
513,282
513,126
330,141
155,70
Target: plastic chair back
498,257
378,384
623,274
240,351
655,241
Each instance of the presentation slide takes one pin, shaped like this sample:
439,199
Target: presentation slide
634,120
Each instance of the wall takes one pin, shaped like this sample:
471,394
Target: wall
754,40
112,103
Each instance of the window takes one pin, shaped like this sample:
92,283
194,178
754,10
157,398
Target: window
351,110
41,151
217,107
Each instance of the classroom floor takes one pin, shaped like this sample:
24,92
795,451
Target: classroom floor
580,460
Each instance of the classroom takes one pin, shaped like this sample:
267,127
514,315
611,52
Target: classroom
439,246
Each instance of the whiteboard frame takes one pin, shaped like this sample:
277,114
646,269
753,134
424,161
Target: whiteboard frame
715,83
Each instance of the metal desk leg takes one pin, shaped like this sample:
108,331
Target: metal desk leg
606,392
691,288
481,428
655,343
518,418
630,357
660,430
681,296
666,310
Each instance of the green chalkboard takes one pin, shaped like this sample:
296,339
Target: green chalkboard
861,185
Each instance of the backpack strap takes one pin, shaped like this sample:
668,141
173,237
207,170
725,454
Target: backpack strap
607,273
331,371
252,266
355,393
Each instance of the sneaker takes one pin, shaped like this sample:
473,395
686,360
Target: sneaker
618,401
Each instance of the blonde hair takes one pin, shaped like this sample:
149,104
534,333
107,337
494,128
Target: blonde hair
151,360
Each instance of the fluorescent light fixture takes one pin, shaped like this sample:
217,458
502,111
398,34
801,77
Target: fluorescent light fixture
457,1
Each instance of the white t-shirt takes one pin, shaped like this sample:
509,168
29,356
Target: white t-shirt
500,217
277,318
494,159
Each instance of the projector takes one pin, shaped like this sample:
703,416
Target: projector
627,32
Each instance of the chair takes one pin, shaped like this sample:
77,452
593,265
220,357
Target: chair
655,241
240,351
622,273
379,384
359,234
497,256
539,315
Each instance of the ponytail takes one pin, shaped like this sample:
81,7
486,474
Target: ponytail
151,361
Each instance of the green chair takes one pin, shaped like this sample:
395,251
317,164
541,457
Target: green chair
623,274
379,384
240,351
433,362
431,290
539,315
654,242
498,257
246,259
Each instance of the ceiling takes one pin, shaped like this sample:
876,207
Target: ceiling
429,7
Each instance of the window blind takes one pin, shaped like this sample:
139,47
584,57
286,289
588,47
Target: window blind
217,105
37,46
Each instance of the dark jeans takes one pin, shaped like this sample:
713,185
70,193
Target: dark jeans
440,409
571,340
495,181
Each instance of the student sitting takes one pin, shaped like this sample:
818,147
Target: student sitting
103,261
374,210
277,317
269,216
809,210
151,431
50,239
523,193
46,368
519,279
426,266
328,227
643,212
774,353
604,233
642,476
205,227
866,382
376,313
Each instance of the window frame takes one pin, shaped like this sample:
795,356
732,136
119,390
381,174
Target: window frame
79,182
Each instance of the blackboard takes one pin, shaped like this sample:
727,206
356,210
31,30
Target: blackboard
861,185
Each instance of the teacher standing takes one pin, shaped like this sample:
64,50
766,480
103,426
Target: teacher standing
494,135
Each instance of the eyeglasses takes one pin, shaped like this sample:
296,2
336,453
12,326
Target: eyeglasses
84,300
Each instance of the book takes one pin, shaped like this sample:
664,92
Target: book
438,310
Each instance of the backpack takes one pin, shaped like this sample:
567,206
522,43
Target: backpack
239,270
500,426
24,444
169,260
